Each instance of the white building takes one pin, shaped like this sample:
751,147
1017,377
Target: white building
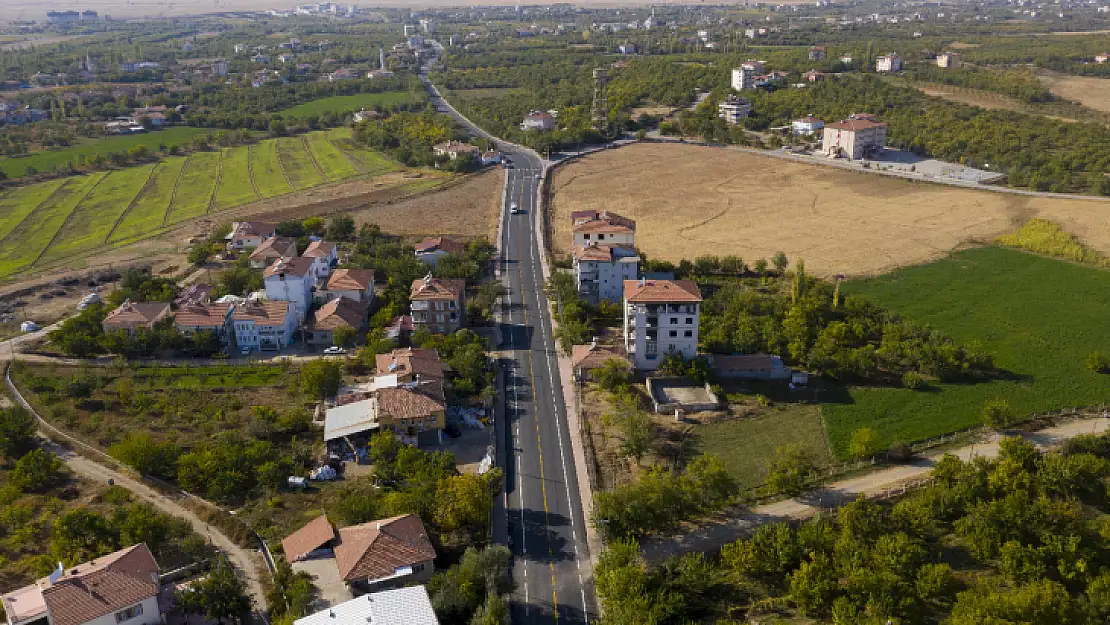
743,77
807,125
291,281
268,326
847,59
859,136
948,59
888,63
120,588
734,109
325,256
660,316
402,606
627,48
1102,58
601,270
590,227
538,120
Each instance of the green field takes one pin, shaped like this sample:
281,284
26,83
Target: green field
1039,317
138,202
47,160
342,104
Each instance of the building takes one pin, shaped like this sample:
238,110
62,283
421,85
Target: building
888,63
813,76
273,249
627,48
602,227
120,588
946,60
399,606
1102,58
539,121
734,109
437,304
660,316
600,271
263,59
266,326
371,556
325,256
344,73
291,281
337,313
491,157
587,358
750,367
354,284
455,149
817,53
197,293
857,137
847,60
196,317
410,364
131,316
248,234
807,125
429,251
414,412
743,77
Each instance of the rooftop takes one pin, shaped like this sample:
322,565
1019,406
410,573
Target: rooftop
415,360
299,267
595,356
429,288
275,247
402,606
309,538
266,313
440,243
137,313
339,312
378,549
252,228
854,125
319,249
651,291
350,280
202,315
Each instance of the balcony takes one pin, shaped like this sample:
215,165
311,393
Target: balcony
418,305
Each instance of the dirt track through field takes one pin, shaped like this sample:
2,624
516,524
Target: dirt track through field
691,200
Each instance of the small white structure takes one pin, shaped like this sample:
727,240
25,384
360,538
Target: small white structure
1102,58
401,606
291,281
949,59
807,125
660,316
602,227
734,109
627,48
888,63
539,121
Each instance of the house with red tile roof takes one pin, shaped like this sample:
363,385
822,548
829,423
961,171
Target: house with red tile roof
857,137
216,318
410,363
600,271
248,234
291,281
266,326
429,251
437,304
354,284
273,249
130,316
603,228
660,316
325,256
338,313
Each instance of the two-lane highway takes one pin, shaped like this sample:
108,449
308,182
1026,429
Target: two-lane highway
546,526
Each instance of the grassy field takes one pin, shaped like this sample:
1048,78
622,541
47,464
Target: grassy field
47,160
1039,317
236,187
368,161
149,211
35,233
297,163
17,203
268,176
342,104
329,158
1089,91
194,188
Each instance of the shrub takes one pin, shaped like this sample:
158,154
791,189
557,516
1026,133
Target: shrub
899,452
913,380
865,443
997,413
1098,362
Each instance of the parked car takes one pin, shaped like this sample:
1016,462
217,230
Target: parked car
335,350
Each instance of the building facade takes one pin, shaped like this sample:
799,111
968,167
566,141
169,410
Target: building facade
888,63
856,137
291,281
604,228
601,271
269,326
734,109
437,304
325,256
660,316
807,125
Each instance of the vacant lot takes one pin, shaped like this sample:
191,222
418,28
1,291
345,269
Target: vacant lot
341,104
691,200
1090,92
1039,318
468,209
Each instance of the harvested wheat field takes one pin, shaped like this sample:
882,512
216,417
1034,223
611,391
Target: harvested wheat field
690,201
468,209
1093,93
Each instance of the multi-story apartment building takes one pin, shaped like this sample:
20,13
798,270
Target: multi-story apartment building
888,63
291,281
269,326
437,304
325,256
857,137
601,270
734,109
660,316
604,228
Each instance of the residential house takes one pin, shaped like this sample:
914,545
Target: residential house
414,412
888,63
194,317
399,606
291,281
325,256
946,60
602,227
265,326
131,316
455,149
339,312
273,249
585,359
539,121
429,251
354,284
660,316
1102,58
248,234
807,125
197,293
263,59
399,327
817,53
364,115
847,59
627,48
491,157
120,588
344,73
750,367
410,364
437,304
601,270
380,554
743,77
813,76
734,109
286,58
857,137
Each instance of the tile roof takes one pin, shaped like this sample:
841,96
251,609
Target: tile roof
400,606
265,313
457,147
377,549
580,217
299,267
435,289
102,586
350,279
340,312
647,291
595,356
744,362
307,539
415,360
136,313
855,125
275,247
601,226
194,293
406,403
253,228
321,249
202,315
440,243
602,253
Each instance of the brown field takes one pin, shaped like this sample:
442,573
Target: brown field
1090,92
972,97
690,201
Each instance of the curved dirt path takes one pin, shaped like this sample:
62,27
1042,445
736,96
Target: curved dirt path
894,480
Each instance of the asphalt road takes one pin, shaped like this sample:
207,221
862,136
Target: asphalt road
545,527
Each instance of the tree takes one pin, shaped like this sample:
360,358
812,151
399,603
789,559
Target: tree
1043,602
637,434
220,596
343,336
780,262
997,413
341,228
17,432
141,452
492,612
321,378
864,444
614,376
787,473
292,592
37,471
81,535
1098,362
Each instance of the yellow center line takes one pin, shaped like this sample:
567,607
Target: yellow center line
535,417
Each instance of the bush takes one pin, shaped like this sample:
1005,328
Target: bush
788,472
899,452
913,380
997,413
1098,362
865,443
38,471
17,432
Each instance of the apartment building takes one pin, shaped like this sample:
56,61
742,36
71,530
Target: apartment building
857,137
291,281
325,256
269,326
437,304
601,270
734,109
602,227
888,63
660,316
272,250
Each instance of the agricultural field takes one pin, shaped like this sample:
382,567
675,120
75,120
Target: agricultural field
731,202
138,202
1090,92
342,104
1039,317
47,160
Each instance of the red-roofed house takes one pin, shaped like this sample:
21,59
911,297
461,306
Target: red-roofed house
660,316
269,326
216,318
291,281
353,284
339,312
431,250
857,137
437,304
131,316
600,271
247,234
606,228
273,249
325,256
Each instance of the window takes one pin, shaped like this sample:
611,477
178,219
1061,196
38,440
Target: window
601,237
586,237
689,321
674,333
674,321
688,334
651,356
451,305
129,613
418,568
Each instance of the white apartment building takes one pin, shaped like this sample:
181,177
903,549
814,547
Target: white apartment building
291,281
888,63
602,227
601,271
946,60
743,77
325,256
660,316
807,125
269,326
857,137
734,110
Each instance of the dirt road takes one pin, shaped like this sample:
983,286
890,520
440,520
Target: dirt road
712,536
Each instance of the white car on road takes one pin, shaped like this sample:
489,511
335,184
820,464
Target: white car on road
515,209
335,350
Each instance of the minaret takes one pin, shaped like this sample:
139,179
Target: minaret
89,64
381,57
